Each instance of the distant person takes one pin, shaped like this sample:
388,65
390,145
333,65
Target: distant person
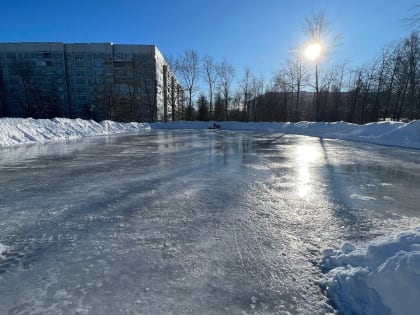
215,126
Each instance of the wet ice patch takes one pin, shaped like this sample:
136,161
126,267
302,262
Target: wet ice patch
362,197
386,184
383,278
388,198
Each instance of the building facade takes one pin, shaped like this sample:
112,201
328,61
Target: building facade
90,81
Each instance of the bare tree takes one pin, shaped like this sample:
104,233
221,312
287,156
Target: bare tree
150,87
414,20
24,71
317,29
3,98
225,73
337,91
368,80
210,76
256,89
46,101
203,109
244,85
296,73
187,67
380,77
354,94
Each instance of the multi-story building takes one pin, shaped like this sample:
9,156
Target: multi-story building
90,81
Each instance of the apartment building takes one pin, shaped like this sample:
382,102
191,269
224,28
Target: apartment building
87,80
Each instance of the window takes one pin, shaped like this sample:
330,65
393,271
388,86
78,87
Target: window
57,55
98,63
99,72
81,98
81,90
99,80
123,88
79,57
98,55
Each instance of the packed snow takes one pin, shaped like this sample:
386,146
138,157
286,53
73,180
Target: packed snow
15,131
378,278
382,279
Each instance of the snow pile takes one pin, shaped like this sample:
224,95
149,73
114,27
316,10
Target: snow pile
19,130
388,133
382,279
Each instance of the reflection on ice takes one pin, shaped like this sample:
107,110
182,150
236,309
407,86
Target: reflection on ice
306,156
184,222
3,249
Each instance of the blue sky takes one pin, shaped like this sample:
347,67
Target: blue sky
258,34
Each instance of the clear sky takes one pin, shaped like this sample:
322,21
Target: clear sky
258,34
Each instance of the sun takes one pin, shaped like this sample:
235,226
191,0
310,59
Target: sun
313,51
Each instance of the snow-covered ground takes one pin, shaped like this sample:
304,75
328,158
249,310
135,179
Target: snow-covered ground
383,278
377,278
15,131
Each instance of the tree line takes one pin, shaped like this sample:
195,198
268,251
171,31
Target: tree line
387,87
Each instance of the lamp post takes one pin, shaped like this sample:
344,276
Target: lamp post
313,53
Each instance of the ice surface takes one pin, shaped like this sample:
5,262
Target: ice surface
382,279
376,278
387,133
3,249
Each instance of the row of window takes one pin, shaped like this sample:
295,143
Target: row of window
32,55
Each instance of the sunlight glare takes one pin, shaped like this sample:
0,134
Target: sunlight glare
313,51
305,156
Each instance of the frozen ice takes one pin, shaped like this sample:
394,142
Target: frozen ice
386,132
3,250
378,277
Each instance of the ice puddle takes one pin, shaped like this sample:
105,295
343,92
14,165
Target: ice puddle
383,278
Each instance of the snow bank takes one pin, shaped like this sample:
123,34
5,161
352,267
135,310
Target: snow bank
387,133
382,279
19,130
